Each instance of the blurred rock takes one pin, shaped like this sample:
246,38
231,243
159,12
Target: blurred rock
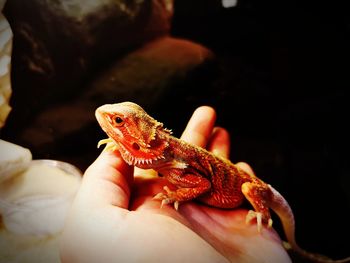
151,75
147,74
58,44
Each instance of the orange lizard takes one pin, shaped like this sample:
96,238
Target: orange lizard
196,172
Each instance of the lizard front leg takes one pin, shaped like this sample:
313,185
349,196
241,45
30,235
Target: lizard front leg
190,186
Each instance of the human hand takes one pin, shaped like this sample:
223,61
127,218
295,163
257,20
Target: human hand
114,217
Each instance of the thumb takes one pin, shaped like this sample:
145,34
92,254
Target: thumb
107,181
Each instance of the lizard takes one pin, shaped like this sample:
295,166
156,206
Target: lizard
197,173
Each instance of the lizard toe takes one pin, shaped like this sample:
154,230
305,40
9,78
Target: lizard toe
252,215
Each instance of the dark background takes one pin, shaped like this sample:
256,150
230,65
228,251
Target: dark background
282,91
279,83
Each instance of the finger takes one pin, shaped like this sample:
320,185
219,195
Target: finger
219,142
246,167
107,182
200,126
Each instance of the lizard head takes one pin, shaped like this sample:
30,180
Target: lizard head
134,132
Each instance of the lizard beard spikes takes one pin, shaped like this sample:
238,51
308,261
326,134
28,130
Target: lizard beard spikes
128,157
137,161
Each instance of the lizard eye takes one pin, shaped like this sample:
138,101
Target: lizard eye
119,121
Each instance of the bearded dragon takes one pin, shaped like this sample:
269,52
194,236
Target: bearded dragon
197,173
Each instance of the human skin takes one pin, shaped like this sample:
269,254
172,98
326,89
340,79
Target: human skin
114,217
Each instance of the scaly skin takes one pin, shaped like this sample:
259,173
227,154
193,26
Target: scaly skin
195,172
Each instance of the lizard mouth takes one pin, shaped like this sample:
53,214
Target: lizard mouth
132,156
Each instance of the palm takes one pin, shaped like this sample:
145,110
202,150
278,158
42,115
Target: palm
114,217
225,230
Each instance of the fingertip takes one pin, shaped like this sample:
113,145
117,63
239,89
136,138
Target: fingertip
107,181
200,125
107,160
220,142
205,110
246,167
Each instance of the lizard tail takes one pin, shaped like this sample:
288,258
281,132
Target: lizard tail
281,207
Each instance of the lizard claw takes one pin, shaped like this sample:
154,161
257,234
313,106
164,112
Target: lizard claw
159,196
169,201
165,201
167,198
269,223
104,141
251,215
110,144
163,196
176,205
